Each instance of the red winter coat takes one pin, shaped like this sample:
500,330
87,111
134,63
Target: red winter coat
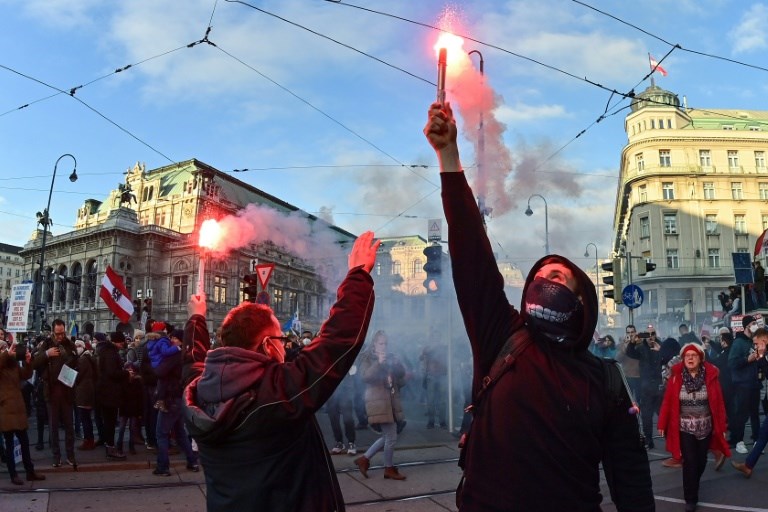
669,415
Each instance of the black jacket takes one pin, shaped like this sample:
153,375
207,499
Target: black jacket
111,376
650,366
540,434
253,418
49,368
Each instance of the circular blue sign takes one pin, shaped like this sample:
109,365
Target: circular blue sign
262,298
632,296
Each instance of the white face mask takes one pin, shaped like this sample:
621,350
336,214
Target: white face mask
80,351
306,341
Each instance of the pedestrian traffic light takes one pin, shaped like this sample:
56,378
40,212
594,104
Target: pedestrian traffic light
250,286
148,307
643,267
613,266
433,267
137,309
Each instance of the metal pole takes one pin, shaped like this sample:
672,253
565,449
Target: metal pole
46,221
629,279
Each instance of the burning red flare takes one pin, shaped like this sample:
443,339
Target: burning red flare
210,234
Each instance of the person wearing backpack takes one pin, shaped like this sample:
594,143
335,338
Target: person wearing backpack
542,429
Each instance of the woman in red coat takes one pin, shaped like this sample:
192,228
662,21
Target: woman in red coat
692,418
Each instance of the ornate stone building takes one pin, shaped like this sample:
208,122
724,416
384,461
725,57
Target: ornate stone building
147,231
693,189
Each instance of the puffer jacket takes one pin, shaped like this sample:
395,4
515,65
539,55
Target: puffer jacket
13,412
254,418
85,385
382,399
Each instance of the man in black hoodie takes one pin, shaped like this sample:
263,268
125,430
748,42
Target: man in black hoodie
253,414
541,431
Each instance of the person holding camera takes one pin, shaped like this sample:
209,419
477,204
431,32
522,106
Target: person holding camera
605,347
14,369
645,348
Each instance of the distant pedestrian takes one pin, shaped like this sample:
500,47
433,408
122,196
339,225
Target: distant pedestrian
383,375
340,406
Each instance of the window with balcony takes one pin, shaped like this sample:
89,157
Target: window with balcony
762,188
642,192
665,159
670,223
740,224
645,227
709,190
639,162
760,160
673,260
668,190
737,191
710,224
713,258
705,158
733,159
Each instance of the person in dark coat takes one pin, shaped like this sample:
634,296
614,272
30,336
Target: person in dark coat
109,390
746,386
541,432
725,338
646,350
253,416
85,392
51,357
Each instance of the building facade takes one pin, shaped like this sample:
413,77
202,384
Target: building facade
147,231
693,189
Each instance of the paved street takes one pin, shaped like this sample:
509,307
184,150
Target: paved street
427,457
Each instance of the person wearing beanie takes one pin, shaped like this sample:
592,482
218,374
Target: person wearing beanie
742,361
760,338
692,418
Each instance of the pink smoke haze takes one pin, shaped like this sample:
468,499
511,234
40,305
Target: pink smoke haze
313,243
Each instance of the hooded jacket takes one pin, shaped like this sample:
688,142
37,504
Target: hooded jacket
539,435
253,417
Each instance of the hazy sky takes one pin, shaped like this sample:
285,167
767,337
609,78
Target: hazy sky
326,127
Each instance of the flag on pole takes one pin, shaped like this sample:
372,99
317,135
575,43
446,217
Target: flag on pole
114,294
73,329
293,323
761,245
655,66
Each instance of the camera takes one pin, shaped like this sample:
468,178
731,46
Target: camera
21,350
644,335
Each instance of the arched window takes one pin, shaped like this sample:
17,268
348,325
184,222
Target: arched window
91,275
77,275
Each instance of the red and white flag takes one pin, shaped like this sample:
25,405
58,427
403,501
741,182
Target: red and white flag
655,66
761,245
115,295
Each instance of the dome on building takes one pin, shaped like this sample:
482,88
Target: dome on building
654,96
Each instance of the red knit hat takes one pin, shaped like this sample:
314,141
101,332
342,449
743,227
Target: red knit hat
693,347
158,326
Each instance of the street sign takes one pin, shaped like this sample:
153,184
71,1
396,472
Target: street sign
264,271
434,230
262,298
742,268
632,296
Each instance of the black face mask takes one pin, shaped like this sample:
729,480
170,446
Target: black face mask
554,310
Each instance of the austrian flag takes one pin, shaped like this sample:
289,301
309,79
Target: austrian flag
115,295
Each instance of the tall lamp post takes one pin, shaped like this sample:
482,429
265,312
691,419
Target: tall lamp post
597,267
45,219
529,212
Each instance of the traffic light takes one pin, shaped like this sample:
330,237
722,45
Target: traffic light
148,307
643,267
433,267
250,286
613,266
137,309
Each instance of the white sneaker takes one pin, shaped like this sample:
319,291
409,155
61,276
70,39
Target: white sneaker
339,448
740,448
352,450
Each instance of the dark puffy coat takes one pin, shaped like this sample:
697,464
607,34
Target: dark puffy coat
85,385
111,376
13,412
540,434
254,418
743,373
650,366
50,367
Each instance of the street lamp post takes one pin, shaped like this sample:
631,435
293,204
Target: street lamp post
597,267
529,212
484,210
45,219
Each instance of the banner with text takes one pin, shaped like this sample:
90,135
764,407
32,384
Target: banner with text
18,310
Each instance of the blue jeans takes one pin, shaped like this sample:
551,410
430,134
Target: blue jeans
757,450
173,420
387,441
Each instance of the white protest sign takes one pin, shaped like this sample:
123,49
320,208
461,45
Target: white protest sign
18,309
